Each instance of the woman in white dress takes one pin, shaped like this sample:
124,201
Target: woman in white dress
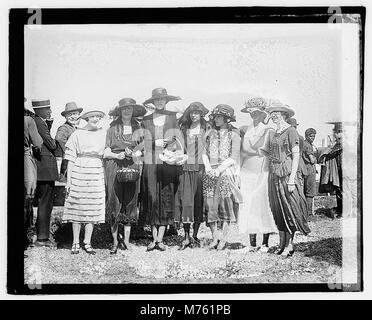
255,214
85,187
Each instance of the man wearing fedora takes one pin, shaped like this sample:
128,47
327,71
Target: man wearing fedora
47,172
71,113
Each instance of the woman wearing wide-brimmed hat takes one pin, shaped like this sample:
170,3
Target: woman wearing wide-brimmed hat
286,196
85,187
221,180
123,147
159,181
189,210
255,214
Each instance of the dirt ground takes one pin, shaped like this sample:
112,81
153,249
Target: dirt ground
317,258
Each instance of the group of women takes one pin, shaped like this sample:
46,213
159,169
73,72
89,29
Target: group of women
158,170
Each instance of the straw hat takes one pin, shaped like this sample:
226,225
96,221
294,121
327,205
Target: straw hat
276,105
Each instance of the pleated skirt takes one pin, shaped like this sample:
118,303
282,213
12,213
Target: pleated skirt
289,208
85,202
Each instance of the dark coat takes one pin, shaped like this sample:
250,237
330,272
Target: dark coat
46,161
63,133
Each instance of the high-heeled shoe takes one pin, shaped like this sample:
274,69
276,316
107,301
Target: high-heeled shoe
184,245
88,249
213,245
195,242
222,245
287,253
114,249
151,246
278,251
161,246
75,248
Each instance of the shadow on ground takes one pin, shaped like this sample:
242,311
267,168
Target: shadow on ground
329,250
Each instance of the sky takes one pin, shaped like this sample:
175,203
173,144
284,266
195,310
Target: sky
307,66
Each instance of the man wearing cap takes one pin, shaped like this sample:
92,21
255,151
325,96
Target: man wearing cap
71,113
309,154
47,172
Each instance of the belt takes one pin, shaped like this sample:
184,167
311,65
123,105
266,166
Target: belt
89,155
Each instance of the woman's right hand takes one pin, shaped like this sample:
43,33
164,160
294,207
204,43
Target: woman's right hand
68,187
120,156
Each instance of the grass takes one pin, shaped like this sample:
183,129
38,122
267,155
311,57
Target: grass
318,256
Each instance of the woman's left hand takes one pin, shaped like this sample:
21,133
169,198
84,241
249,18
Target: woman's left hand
291,186
128,152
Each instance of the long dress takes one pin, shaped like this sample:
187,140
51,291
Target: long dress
255,213
222,194
190,206
86,200
289,208
159,180
122,197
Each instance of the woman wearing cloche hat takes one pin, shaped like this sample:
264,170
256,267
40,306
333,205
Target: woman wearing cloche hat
85,187
286,196
123,147
221,181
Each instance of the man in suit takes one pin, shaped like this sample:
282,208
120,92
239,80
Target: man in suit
47,172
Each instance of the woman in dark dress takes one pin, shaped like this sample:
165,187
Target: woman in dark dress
123,147
286,197
190,191
159,181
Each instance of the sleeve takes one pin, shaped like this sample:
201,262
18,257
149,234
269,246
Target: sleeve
138,138
36,139
235,146
62,136
265,149
293,138
306,152
109,138
44,132
71,148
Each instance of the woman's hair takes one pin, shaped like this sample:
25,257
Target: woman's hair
118,124
213,123
285,115
186,122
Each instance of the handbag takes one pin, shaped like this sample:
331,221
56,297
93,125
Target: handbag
127,174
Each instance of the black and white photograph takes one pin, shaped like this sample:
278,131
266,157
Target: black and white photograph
222,150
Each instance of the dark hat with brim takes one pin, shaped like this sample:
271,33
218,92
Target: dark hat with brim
194,106
276,105
223,110
38,104
292,122
138,110
255,104
92,112
71,107
161,93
